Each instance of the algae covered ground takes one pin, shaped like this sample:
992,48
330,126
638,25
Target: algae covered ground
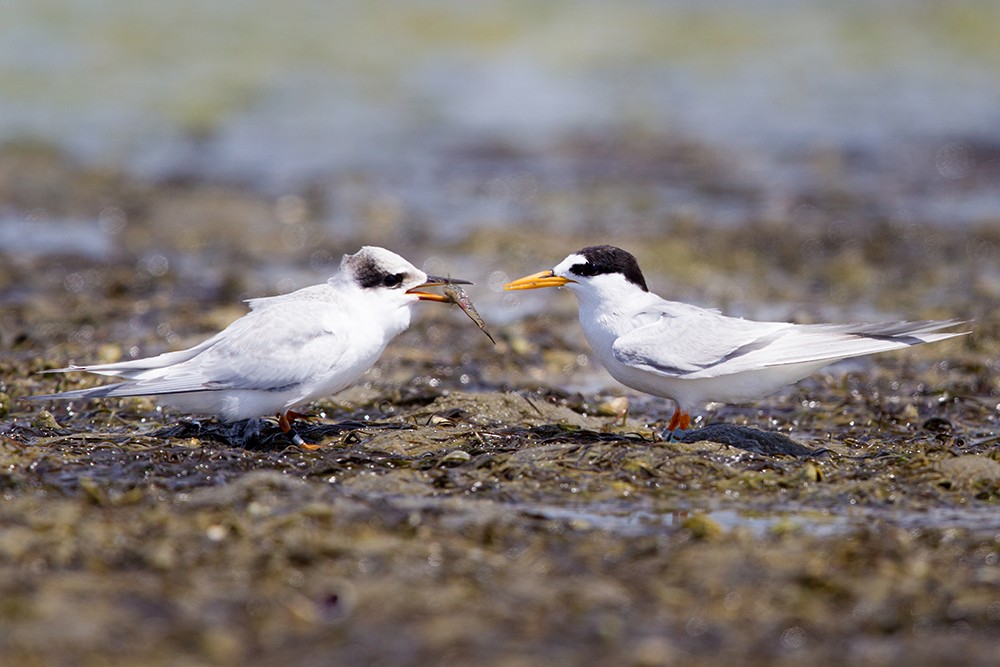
492,505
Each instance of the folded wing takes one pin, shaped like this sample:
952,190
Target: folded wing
299,349
705,344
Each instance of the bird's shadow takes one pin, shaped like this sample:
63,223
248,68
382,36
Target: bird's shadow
768,443
260,434
263,435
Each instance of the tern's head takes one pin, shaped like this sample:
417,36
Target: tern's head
385,276
598,270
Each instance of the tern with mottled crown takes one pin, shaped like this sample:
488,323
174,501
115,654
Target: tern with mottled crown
288,350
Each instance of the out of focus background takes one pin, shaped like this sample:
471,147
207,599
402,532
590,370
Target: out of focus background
430,122
464,115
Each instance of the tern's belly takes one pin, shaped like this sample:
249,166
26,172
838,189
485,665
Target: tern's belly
690,392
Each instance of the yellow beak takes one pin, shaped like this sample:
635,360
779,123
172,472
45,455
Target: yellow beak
537,280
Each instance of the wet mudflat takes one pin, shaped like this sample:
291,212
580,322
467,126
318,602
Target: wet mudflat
487,504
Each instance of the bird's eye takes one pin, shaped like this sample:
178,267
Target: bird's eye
393,280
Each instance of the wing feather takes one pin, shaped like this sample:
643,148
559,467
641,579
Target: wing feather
701,344
299,347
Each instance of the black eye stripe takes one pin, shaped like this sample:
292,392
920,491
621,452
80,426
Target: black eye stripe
371,275
586,270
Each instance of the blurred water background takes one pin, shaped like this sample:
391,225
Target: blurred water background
465,114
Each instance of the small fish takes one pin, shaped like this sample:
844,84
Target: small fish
458,296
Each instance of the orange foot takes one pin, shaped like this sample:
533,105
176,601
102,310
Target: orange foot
285,424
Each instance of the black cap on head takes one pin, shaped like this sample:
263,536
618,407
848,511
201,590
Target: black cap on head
609,259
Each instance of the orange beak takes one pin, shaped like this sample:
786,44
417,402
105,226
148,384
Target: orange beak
537,280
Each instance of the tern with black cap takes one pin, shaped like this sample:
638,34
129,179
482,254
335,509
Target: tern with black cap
694,355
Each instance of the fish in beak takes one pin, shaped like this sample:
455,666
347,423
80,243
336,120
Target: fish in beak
435,281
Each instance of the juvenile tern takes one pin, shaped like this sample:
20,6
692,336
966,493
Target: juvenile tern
694,355
287,351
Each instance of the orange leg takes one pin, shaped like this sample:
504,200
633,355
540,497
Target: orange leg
681,420
685,422
285,425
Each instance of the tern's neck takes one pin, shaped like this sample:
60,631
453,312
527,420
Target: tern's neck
606,314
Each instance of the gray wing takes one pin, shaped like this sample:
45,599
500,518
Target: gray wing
269,349
686,341
703,344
